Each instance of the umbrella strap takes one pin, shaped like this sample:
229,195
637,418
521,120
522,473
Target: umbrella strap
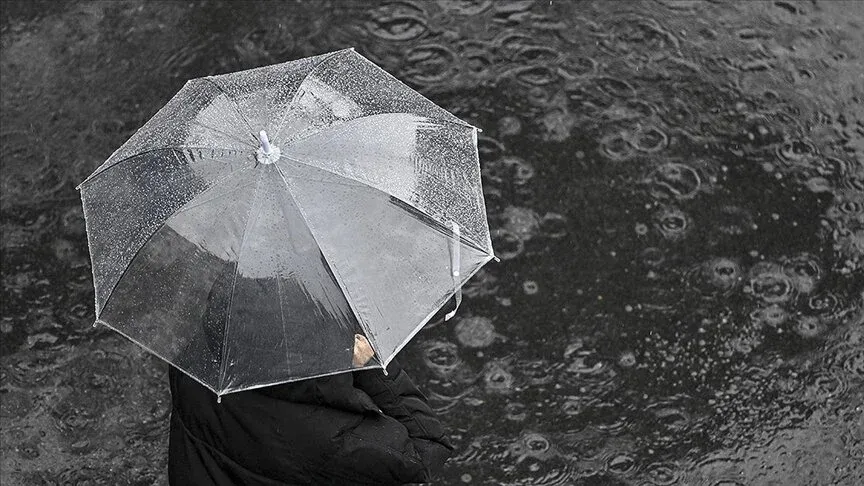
455,264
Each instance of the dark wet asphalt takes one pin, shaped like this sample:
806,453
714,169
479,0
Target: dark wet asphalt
676,189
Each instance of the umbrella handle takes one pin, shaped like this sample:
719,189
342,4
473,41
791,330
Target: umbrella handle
455,265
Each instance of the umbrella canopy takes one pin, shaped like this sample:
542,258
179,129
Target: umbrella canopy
261,218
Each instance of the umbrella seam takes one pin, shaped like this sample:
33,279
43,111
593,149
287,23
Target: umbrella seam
234,284
159,228
233,103
461,122
300,85
360,183
341,126
126,159
336,277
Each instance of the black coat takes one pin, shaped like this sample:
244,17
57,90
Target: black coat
362,427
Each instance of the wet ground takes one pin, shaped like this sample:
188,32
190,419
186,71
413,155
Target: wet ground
676,190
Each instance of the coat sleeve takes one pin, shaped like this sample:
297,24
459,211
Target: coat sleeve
398,398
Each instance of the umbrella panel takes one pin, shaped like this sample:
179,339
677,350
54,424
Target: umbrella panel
233,290
392,261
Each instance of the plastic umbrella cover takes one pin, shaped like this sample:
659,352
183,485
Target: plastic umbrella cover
261,218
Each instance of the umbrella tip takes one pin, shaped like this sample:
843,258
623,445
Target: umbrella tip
267,154
265,142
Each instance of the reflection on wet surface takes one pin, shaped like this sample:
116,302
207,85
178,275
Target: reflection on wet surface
675,189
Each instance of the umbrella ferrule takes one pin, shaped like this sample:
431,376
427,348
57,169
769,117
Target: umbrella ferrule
266,154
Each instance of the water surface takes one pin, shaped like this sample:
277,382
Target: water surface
676,190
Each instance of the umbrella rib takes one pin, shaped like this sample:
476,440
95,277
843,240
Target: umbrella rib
252,131
406,205
324,257
159,228
125,159
222,367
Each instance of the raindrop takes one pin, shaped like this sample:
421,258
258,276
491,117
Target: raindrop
522,222
475,332
497,379
809,327
515,411
674,180
733,220
530,287
627,359
509,126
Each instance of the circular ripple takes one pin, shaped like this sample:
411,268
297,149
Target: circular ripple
428,63
507,245
770,284
809,327
617,146
441,356
805,272
396,26
497,379
675,181
796,151
772,316
662,474
650,139
672,223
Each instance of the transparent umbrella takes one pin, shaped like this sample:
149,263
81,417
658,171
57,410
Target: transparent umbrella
261,218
